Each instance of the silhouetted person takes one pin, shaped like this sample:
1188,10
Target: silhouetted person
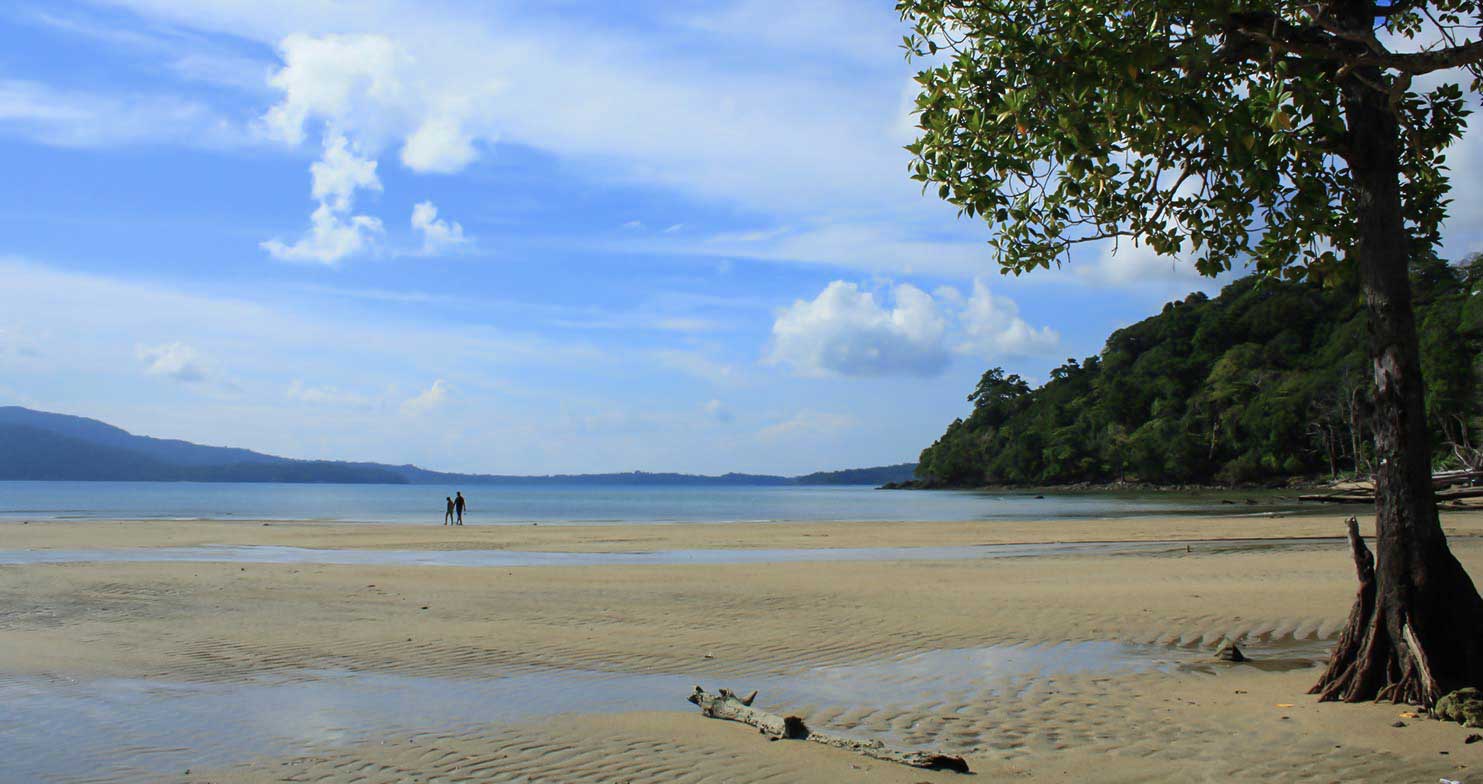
458,504
448,515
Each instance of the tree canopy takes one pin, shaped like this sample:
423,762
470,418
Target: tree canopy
1266,381
1293,133
1214,129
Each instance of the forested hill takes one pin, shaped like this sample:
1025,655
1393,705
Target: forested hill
1269,380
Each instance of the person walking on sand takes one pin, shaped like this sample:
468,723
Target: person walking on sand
448,515
458,505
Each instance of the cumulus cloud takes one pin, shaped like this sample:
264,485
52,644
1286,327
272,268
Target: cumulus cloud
368,93
846,331
437,235
428,399
334,233
371,87
1125,263
172,360
339,173
330,78
992,327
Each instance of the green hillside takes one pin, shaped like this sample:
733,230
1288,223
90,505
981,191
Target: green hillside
1266,381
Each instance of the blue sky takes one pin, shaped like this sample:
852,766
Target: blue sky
517,237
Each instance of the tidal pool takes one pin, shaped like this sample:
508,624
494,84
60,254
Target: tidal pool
55,729
513,558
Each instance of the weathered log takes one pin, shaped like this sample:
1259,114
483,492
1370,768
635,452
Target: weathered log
1369,498
1464,476
1339,498
724,704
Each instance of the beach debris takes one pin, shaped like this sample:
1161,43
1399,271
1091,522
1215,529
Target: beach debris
1471,739
726,704
1398,723
1284,705
1464,706
1230,653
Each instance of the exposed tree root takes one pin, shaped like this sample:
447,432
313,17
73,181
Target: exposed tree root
1381,656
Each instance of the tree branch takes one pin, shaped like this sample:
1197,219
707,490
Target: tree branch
1417,63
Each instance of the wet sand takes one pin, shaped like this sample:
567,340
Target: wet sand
1071,667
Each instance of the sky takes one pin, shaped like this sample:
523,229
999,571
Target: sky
513,237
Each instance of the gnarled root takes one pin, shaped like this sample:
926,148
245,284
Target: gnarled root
1382,653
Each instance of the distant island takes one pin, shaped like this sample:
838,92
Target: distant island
42,446
1267,382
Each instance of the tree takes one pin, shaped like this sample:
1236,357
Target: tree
1284,132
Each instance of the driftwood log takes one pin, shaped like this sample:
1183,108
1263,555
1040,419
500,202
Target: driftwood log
1358,497
726,705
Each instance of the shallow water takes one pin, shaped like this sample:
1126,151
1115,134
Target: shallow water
137,730
512,558
585,504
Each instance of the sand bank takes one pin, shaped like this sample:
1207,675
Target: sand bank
166,631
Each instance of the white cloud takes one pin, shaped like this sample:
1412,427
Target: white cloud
330,78
428,399
437,235
172,360
691,104
334,233
992,327
698,365
441,145
366,92
1125,263
718,411
52,116
441,83
806,424
331,237
339,173
372,88
844,331
828,28
325,395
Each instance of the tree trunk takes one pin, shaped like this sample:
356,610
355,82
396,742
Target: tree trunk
1416,631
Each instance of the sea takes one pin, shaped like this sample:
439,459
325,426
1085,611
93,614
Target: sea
588,504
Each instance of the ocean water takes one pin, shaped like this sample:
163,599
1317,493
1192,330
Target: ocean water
580,504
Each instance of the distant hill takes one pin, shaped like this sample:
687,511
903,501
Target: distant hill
1268,381
878,475
37,445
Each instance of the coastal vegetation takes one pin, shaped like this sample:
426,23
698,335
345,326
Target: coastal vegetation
1267,381
1306,138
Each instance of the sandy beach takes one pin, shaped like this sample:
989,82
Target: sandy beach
1085,666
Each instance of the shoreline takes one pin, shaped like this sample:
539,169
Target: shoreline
629,537
1082,666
